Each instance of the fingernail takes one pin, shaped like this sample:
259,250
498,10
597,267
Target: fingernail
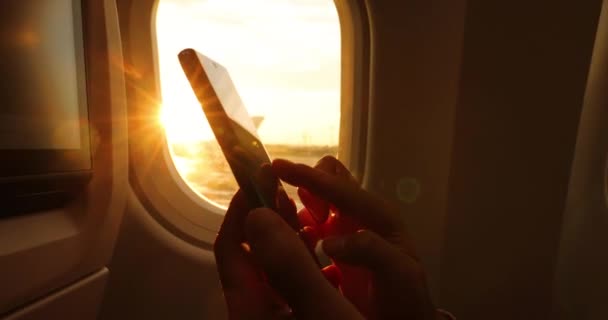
333,275
322,257
245,246
333,246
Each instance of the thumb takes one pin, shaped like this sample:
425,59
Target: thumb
367,249
291,270
399,280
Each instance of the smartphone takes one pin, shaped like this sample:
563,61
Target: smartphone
232,126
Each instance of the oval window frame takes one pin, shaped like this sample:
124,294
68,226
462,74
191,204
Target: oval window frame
153,175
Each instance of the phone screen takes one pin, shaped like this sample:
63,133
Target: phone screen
232,126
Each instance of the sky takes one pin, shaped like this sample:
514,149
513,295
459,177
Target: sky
283,56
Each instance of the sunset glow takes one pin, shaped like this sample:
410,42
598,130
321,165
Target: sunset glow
283,55
284,59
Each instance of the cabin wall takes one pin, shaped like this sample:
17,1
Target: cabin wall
580,284
523,79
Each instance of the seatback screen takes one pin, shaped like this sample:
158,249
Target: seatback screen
43,89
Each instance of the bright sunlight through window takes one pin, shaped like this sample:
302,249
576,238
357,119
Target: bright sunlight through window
284,58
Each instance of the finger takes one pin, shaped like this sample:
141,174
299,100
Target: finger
284,202
234,266
274,196
347,196
367,249
305,218
290,268
310,237
238,275
232,229
317,207
334,167
287,207
333,275
399,279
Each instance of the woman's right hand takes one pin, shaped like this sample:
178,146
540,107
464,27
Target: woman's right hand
374,262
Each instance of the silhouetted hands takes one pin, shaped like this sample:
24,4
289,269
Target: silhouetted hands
275,276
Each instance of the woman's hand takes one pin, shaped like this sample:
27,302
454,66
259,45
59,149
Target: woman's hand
375,262
266,270
274,276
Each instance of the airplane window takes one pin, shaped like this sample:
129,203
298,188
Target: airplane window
284,58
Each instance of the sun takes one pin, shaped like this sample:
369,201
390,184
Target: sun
184,124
